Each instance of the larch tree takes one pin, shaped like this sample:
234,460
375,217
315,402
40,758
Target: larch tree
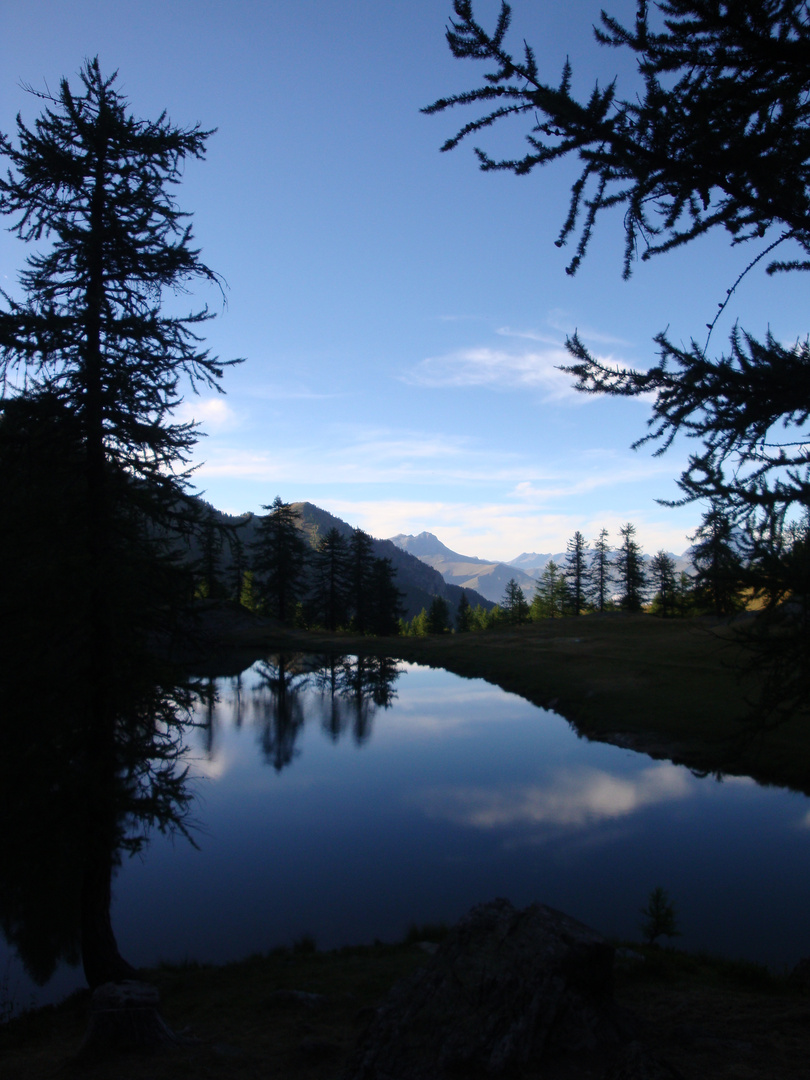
630,570
96,366
386,599
664,583
328,602
601,573
514,605
714,136
438,616
551,595
464,615
280,553
576,570
361,564
717,558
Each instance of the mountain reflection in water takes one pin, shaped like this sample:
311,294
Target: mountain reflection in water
349,797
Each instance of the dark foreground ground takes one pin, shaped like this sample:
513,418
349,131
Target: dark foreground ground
705,1019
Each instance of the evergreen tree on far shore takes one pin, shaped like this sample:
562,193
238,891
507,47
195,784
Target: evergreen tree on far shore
664,582
438,616
630,570
601,573
464,615
329,600
386,599
576,571
279,558
718,563
551,596
514,604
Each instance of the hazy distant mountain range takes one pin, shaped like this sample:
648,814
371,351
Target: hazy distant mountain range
425,566
489,578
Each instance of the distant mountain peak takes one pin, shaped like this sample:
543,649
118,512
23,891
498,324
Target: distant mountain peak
424,544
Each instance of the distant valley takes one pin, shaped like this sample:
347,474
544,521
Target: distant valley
425,566
489,578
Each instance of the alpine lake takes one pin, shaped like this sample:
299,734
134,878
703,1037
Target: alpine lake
343,799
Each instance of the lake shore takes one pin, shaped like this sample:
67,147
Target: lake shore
679,689
668,688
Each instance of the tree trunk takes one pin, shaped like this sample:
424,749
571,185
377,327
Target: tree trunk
101,960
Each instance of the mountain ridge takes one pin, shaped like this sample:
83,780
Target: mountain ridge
490,577
487,577
418,582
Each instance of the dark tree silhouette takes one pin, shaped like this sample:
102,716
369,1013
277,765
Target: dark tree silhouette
279,557
663,581
718,562
514,604
600,572
438,616
386,599
211,544
361,563
630,569
716,135
101,365
576,570
464,617
329,599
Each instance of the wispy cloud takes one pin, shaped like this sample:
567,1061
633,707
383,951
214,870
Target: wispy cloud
353,455
531,335
291,392
561,321
610,473
212,413
497,369
500,530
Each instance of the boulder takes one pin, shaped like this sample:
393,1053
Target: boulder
508,991
125,1017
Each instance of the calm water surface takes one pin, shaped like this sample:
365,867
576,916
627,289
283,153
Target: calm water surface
328,815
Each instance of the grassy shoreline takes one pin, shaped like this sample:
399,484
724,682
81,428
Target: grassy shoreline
670,688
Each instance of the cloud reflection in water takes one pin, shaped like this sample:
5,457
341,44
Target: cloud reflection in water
572,798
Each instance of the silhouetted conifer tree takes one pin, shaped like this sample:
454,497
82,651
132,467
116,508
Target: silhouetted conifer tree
386,599
664,583
438,616
601,573
514,604
361,564
715,135
718,563
279,558
101,365
630,570
576,571
329,600
464,615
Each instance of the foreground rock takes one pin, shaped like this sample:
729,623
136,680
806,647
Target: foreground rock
508,992
125,1018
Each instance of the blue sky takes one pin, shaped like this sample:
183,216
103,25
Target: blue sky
400,313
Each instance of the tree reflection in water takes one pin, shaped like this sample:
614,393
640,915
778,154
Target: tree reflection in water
70,810
345,691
